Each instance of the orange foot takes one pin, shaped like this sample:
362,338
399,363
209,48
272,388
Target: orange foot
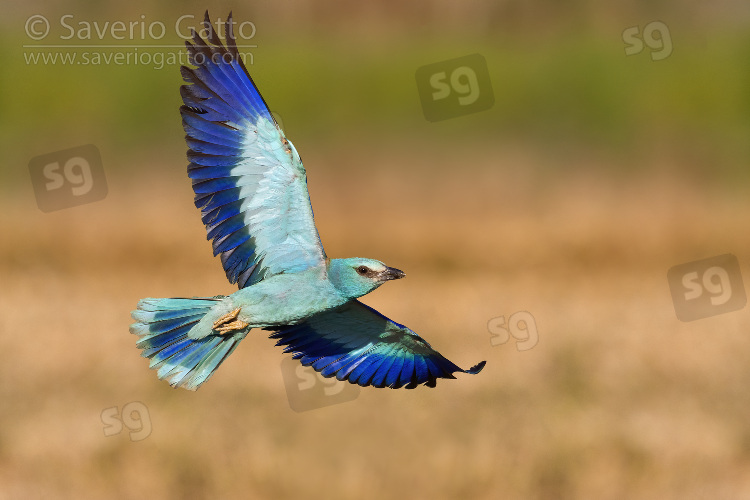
229,323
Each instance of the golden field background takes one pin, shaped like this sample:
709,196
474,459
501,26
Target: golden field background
618,399
591,176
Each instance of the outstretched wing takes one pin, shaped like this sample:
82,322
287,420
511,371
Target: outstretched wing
358,344
248,179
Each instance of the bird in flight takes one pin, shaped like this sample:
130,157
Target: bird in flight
251,189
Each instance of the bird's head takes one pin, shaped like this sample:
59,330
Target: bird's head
356,277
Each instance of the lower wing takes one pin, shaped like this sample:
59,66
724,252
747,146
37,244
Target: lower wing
358,344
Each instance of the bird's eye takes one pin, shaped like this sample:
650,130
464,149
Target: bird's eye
362,270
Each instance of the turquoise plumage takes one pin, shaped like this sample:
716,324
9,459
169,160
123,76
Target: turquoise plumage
251,188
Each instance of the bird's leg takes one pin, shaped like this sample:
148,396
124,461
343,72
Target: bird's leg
229,323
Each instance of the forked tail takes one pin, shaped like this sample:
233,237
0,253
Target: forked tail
163,325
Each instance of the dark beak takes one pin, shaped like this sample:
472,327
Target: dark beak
391,273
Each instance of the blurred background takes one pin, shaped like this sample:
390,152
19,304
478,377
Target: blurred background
614,146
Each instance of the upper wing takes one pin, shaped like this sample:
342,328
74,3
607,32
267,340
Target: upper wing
358,344
248,179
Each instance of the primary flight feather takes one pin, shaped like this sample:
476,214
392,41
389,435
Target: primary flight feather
251,188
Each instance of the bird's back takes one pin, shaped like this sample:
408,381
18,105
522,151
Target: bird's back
287,299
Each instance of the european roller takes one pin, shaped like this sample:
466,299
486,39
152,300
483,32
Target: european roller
251,189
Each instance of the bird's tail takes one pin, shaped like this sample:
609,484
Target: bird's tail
162,326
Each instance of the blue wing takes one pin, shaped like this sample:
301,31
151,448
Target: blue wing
248,179
358,344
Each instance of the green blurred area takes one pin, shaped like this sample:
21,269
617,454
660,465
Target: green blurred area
568,94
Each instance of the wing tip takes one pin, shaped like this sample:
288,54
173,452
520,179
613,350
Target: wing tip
476,368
